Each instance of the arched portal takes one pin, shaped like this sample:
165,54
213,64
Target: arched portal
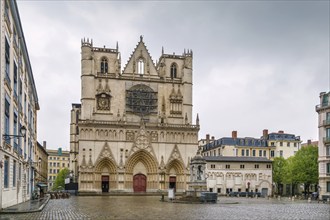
105,175
175,175
141,163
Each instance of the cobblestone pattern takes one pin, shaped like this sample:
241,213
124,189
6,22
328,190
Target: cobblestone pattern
140,207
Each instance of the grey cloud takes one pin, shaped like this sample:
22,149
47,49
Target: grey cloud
257,64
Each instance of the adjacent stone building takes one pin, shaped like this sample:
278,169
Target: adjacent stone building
18,110
269,145
57,160
239,174
323,110
41,167
133,130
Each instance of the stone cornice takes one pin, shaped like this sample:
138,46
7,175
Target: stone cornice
136,125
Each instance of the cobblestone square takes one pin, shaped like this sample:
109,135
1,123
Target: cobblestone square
150,207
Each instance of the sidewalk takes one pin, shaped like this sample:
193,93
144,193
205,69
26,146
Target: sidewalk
28,206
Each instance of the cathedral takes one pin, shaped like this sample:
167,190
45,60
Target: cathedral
133,130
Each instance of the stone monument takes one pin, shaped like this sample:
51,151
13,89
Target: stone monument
197,182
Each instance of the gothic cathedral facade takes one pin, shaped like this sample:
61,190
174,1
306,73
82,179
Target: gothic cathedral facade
134,130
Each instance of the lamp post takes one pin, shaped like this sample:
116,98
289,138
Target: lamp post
10,136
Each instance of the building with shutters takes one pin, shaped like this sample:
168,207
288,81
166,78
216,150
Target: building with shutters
323,110
57,160
18,111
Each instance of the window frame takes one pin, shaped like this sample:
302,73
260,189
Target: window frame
104,65
141,66
173,70
6,173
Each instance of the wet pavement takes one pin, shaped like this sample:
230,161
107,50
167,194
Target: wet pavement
28,206
150,207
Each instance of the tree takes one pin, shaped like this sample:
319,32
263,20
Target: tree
288,175
60,178
305,167
279,164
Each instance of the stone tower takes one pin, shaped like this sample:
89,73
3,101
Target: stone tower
133,131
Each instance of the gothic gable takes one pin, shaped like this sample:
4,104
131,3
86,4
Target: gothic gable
105,154
175,155
140,62
142,142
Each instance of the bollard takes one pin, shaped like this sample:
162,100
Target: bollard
292,199
328,200
289,198
309,200
279,198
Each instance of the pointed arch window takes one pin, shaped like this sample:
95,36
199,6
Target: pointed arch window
173,71
104,65
141,66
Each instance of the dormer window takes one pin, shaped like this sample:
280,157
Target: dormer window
104,65
141,66
173,71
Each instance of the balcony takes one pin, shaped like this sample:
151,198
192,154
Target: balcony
326,122
322,107
326,140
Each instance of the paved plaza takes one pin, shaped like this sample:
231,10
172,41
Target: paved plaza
150,207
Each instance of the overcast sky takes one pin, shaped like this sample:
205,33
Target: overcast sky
257,64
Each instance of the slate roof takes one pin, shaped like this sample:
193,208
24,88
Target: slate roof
236,159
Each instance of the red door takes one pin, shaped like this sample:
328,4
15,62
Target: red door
139,183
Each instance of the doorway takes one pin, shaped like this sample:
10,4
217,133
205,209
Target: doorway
105,183
172,183
140,183
264,192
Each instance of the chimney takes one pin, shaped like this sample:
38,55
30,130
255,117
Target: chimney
281,132
265,133
234,134
212,138
44,144
207,138
309,142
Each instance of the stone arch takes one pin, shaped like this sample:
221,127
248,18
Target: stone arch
178,167
151,165
105,165
141,156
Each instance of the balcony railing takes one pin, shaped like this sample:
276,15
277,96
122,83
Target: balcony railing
322,106
326,140
326,122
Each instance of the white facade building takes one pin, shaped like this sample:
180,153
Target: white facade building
239,174
323,110
18,109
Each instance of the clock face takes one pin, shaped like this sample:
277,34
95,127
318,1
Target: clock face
141,100
103,103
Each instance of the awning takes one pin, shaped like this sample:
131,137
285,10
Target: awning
42,185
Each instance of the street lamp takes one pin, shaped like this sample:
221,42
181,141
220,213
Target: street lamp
9,136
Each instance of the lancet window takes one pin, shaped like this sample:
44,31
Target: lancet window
141,66
104,65
173,70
